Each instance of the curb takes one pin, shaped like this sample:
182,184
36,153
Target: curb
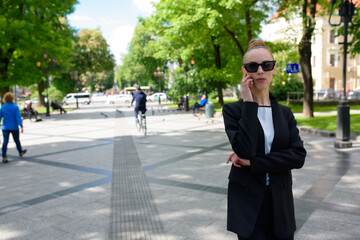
325,133
318,132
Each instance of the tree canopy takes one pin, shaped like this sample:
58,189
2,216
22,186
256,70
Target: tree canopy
27,28
214,33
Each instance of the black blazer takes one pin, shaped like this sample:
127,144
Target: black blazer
247,184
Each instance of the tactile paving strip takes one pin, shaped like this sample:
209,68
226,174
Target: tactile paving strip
134,215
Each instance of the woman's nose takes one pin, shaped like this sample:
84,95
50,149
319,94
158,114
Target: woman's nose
260,70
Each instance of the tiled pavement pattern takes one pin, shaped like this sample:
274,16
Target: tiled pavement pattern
70,184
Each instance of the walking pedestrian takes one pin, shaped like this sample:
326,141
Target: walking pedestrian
11,116
267,146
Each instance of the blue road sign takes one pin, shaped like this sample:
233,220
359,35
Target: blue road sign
292,68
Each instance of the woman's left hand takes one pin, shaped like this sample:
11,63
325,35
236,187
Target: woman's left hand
237,161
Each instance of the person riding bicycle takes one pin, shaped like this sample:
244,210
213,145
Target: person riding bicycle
140,98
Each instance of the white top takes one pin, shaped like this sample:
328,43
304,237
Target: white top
265,117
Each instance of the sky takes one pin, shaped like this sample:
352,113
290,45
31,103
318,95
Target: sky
116,19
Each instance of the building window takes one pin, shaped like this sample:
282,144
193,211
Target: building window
332,37
313,63
332,60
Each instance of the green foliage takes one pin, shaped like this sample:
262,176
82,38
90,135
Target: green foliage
54,93
213,32
99,81
328,122
92,53
139,65
64,83
280,88
354,34
27,28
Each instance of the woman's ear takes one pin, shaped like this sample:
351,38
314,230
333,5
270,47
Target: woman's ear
243,70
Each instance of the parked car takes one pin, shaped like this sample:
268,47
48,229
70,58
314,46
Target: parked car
70,98
155,97
324,94
115,99
354,94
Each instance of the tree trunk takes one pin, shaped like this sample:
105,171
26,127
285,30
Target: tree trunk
305,57
41,88
218,66
220,93
4,63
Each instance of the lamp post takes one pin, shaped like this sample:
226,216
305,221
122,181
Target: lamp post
76,76
186,69
159,75
346,11
46,71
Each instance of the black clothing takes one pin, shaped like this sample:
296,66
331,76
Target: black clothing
29,112
140,98
247,185
56,106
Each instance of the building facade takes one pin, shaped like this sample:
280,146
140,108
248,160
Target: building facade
327,52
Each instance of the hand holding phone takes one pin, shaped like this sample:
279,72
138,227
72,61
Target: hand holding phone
246,86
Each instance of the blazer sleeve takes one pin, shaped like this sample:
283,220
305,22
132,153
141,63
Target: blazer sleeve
286,159
241,127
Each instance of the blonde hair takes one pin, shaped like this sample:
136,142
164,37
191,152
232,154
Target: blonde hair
256,44
8,97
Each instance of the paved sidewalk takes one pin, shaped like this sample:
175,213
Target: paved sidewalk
89,174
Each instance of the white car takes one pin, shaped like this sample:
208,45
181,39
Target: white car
70,98
155,97
354,94
122,98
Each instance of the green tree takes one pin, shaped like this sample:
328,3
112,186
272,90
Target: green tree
93,60
100,81
307,10
203,28
27,28
354,31
92,52
139,65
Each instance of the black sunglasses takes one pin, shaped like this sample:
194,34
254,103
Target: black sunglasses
253,66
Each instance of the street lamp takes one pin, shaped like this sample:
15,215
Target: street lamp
346,11
52,64
159,75
186,68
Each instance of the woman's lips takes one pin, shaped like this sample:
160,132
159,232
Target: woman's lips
260,80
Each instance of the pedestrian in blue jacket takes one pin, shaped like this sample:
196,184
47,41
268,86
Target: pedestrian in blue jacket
11,122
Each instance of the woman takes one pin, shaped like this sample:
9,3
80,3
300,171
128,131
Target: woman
12,120
266,145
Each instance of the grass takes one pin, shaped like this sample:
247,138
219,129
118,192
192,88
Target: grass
299,108
327,122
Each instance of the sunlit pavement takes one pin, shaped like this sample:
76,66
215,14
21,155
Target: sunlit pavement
90,174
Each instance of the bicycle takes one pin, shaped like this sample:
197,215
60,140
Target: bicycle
141,123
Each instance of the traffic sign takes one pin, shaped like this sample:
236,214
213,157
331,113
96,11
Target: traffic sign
292,68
